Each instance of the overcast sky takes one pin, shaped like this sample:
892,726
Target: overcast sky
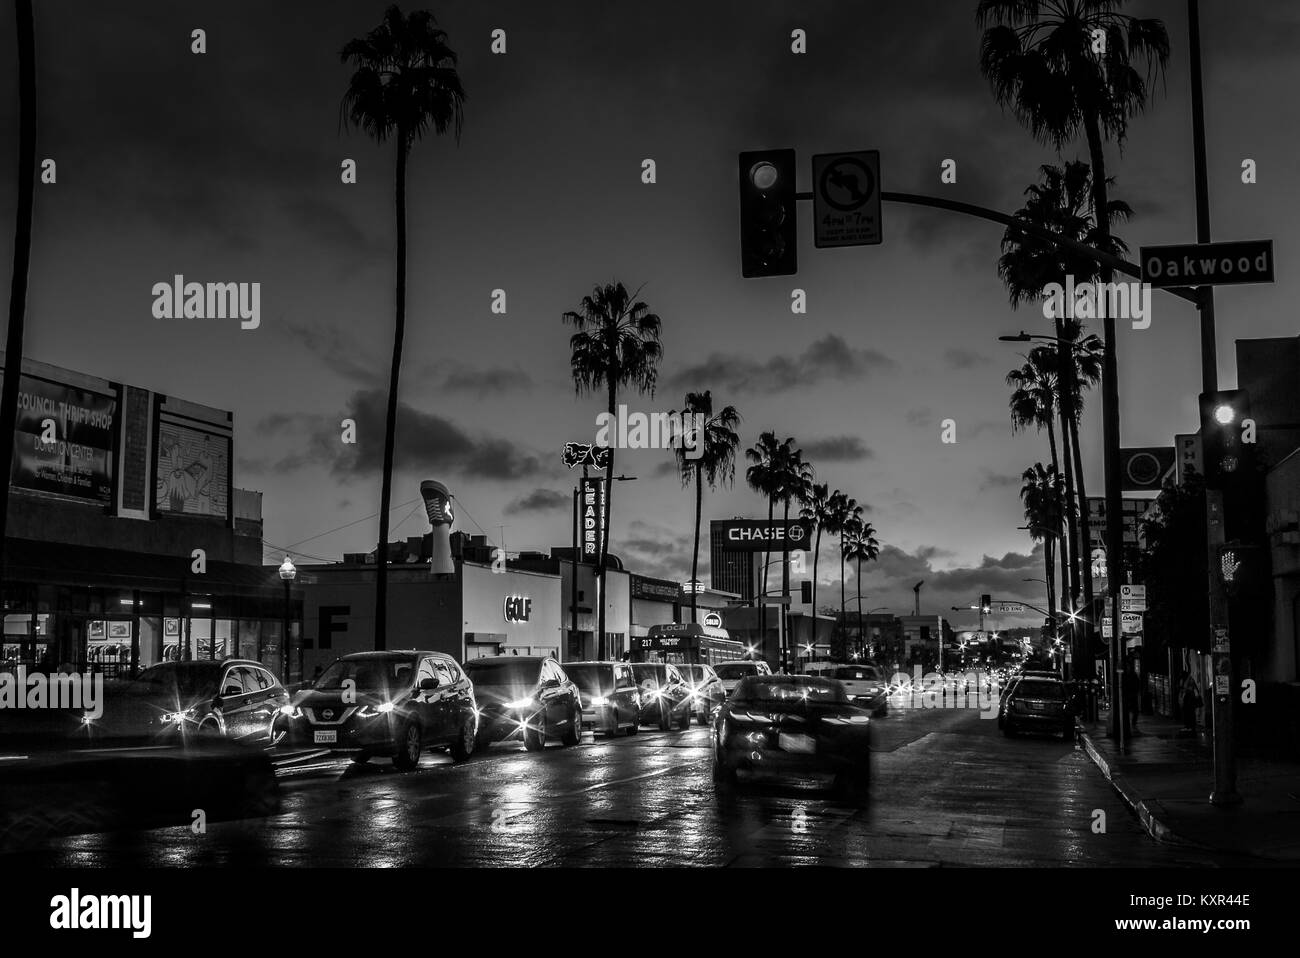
225,167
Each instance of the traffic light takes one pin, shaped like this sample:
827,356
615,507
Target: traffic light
986,604
769,235
1227,436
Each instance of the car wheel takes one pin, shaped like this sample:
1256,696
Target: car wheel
573,734
409,747
463,747
635,726
535,733
686,719
665,718
361,758
210,727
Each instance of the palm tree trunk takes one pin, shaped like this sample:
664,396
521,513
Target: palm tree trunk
787,642
1085,525
1110,417
609,511
695,556
767,560
817,554
843,626
857,583
390,424
22,253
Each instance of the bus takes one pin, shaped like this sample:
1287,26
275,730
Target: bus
687,643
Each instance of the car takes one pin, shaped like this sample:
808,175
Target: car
866,686
793,724
525,695
393,703
611,701
230,698
1039,705
730,673
665,696
706,691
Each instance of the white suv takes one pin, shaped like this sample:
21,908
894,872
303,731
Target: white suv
732,672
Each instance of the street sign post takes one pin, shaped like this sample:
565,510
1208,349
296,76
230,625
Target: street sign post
846,199
1208,264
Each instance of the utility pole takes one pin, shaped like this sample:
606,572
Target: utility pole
1225,767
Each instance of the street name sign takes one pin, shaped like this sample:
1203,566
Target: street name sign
846,199
1208,264
1008,608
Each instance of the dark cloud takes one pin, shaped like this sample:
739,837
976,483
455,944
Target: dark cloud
961,358
661,553
483,383
829,358
997,480
539,500
919,417
837,449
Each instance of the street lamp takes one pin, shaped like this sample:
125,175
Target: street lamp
288,572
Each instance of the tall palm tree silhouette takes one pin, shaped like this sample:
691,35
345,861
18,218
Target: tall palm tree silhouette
765,475
26,37
404,85
616,345
817,510
715,463
1042,492
860,545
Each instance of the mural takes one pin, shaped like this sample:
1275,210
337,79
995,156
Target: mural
193,471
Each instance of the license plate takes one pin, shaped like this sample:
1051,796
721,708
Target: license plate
790,742
327,738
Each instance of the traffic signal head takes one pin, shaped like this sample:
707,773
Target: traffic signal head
769,236
986,604
1227,455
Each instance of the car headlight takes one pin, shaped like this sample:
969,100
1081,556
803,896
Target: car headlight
290,711
176,718
599,700
370,711
87,718
520,703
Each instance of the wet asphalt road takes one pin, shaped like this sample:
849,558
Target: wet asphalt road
947,789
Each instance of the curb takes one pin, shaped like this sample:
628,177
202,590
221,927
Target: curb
1150,823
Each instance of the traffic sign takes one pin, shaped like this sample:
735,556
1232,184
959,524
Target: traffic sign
1008,608
1144,469
846,199
1106,627
1187,447
1208,264
1132,598
1130,623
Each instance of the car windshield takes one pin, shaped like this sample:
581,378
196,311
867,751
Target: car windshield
867,673
648,673
692,673
370,674
736,670
592,679
1040,689
795,690
503,673
187,679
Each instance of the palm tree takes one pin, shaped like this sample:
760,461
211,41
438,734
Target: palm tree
796,487
848,520
405,85
616,345
765,476
1042,491
716,461
816,509
26,36
861,545
1038,56
1062,203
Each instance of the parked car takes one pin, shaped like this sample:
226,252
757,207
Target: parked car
525,695
793,724
1039,705
707,693
234,698
665,696
611,701
730,673
392,703
865,686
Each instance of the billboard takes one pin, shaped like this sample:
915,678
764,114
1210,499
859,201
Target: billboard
192,474
593,518
759,535
65,440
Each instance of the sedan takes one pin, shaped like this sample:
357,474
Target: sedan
233,698
706,691
393,704
611,701
793,725
1038,705
665,696
730,673
525,695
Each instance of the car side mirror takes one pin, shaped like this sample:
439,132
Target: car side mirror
551,684
429,684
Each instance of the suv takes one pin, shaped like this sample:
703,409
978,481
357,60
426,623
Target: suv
665,696
707,693
394,703
732,672
865,686
1038,705
527,695
610,699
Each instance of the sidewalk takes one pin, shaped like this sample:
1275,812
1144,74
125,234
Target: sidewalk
1166,774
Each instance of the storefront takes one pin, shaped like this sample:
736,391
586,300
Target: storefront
128,544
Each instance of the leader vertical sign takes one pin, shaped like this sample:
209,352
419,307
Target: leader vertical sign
593,518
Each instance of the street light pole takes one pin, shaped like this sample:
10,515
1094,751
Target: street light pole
288,572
